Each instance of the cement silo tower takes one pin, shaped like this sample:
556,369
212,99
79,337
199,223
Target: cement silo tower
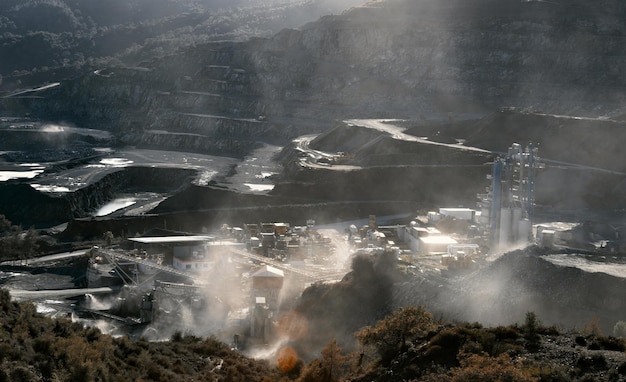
510,201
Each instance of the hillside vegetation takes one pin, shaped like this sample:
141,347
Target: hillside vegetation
48,40
406,345
36,348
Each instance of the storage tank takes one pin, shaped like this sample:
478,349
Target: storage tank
547,238
524,231
505,227
515,225
254,244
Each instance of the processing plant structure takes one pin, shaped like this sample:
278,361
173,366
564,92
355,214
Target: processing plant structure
507,208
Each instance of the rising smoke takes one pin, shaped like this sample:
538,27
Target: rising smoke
335,311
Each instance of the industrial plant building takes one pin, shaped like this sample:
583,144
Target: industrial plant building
507,207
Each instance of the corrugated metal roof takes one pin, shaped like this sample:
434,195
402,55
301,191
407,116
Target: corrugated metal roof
268,271
438,239
171,239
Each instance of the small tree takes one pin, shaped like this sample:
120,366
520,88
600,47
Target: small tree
17,244
5,224
330,368
530,330
332,360
7,248
392,334
593,327
29,243
531,324
108,237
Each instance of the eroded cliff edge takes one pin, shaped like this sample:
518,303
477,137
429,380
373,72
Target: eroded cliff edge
403,59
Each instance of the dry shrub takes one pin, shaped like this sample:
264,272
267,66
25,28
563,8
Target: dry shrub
391,335
444,347
477,367
332,367
592,328
505,333
611,343
590,363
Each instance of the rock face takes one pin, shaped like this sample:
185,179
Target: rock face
22,204
399,58
447,60
455,54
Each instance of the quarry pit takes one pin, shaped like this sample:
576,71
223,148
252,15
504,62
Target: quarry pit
357,169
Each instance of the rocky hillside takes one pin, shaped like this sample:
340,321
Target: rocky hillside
411,344
395,58
37,348
448,67
407,345
49,40
582,158
518,282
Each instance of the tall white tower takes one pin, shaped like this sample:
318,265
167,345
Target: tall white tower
511,197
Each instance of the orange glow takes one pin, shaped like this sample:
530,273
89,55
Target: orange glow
293,325
286,359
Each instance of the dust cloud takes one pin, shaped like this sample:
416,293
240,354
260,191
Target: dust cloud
335,311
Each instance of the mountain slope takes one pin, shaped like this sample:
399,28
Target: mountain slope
445,60
410,59
48,40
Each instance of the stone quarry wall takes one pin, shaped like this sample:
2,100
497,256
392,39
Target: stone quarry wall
21,203
391,59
